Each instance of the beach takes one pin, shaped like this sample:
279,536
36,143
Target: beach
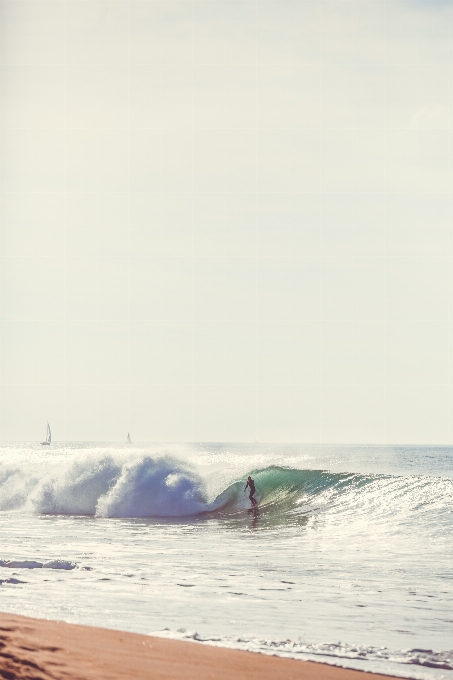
45,650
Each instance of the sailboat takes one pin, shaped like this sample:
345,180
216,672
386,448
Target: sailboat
128,440
48,437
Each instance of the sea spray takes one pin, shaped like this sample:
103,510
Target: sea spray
77,490
16,485
148,487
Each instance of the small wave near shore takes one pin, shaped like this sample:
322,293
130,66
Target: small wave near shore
363,657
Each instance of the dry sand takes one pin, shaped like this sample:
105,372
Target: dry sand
42,650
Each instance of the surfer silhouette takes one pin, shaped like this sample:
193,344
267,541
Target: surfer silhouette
251,485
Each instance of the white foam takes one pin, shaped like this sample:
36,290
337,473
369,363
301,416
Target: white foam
76,490
406,663
59,564
21,564
154,487
33,564
121,485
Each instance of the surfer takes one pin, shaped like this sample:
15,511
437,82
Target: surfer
251,485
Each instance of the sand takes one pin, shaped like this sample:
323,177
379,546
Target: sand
37,649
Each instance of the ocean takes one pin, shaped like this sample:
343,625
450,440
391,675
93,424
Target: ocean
347,559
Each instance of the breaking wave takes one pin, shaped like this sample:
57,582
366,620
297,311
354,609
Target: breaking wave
165,486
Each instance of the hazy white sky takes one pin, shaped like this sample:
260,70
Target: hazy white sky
226,220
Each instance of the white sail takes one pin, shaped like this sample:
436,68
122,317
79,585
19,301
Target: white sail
128,440
48,437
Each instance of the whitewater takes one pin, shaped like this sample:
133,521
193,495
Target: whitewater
347,559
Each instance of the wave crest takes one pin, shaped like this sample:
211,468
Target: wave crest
154,488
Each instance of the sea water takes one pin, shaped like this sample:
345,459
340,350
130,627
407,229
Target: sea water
347,559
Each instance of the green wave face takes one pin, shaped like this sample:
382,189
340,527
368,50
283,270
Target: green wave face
286,495
284,485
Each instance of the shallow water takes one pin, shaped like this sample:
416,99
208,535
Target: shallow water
348,558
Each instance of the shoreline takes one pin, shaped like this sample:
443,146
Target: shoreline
54,650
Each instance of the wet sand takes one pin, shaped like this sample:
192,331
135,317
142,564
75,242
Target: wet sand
36,649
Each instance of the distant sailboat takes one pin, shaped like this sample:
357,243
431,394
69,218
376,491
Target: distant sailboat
128,440
48,437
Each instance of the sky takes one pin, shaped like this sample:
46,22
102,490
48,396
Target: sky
226,220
